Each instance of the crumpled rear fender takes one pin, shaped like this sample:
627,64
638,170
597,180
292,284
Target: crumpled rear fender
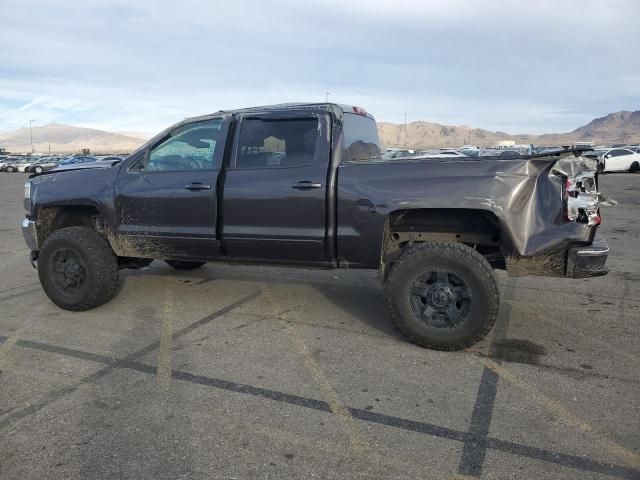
525,195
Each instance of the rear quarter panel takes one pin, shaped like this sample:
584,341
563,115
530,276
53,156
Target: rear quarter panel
521,194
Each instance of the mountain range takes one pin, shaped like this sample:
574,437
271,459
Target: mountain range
57,138
618,127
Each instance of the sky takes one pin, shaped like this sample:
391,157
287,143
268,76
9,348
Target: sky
130,66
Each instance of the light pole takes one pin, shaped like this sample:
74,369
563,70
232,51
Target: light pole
30,135
405,130
326,96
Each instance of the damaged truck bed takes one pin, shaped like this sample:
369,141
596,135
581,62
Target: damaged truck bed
304,185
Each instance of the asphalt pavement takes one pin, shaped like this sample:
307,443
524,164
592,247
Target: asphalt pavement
261,372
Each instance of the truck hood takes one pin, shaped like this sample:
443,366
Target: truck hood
73,178
78,166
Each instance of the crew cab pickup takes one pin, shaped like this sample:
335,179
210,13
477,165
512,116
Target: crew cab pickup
305,185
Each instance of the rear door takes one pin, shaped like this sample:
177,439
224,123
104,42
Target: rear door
619,159
166,200
274,199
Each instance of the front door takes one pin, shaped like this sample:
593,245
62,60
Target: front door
274,198
166,200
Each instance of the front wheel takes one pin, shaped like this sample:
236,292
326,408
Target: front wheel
182,265
38,170
600,168
10,169
77,269
443,296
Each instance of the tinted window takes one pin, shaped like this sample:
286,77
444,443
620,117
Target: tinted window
361,141
190,147
270,143
619,153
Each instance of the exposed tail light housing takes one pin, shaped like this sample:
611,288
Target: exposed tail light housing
580,199
360,111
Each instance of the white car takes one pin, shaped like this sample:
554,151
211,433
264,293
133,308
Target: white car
23,166
619,160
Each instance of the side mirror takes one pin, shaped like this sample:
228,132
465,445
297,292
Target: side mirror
606,156
137,165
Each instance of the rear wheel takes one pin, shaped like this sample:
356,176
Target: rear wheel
183,265
10,169
77,269
38,169
635,167
443,295
600,168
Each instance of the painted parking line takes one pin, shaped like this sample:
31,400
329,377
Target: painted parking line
475,447
166,340
20,294
577,462
55,395
560,411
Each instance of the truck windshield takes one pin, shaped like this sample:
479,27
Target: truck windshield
361,141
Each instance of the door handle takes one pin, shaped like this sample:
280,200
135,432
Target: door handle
194,187
306,185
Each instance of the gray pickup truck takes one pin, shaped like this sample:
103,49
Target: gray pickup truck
305,185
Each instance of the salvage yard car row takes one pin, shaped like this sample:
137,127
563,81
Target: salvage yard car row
29,164
610,159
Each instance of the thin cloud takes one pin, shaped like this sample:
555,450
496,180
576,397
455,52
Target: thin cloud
528,66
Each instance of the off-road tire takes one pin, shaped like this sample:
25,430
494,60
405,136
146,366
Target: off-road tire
635,167
463,262
183,265
97,259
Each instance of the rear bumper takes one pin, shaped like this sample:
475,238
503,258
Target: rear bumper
588,261
574,261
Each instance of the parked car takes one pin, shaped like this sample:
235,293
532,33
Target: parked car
450,154
619,160
70,161
398,153
22,167
303,185
78,159
443,154
44,164
509,153
14,164
471,152
87,164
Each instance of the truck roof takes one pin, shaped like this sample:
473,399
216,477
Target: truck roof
335,108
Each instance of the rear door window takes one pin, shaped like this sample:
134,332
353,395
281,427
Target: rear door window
277,143
620,153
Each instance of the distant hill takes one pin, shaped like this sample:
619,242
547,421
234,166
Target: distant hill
68,139
619,127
